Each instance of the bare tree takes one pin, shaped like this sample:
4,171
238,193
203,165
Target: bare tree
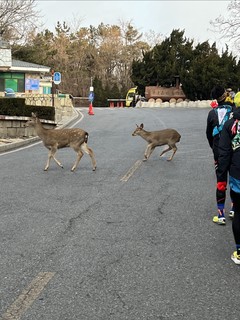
228,26
152,38
17,18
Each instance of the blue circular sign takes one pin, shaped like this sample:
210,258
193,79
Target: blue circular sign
57,77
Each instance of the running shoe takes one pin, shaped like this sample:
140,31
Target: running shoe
231,214
235,257
221,220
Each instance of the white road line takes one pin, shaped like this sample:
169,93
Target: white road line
28,296
4,153
131,171
82,116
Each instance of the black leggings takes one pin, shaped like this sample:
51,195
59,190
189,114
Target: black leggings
236,219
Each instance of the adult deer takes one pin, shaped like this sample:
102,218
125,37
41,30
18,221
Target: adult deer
54,139
158,138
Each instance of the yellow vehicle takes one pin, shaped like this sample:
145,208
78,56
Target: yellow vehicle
131,97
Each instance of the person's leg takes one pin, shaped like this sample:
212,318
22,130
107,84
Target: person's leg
236,225
232,210
220,198
220,195
236,220
220,202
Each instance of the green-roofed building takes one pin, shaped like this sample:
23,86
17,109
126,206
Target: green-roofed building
21,76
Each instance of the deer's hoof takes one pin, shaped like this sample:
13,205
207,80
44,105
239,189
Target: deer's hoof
144,159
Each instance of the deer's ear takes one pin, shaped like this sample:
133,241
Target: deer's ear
34,115
141,125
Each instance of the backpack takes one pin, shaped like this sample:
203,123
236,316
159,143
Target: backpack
223,113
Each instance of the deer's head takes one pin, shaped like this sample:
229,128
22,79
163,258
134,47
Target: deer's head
137,131
32,121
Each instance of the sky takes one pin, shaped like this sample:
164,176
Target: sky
159,16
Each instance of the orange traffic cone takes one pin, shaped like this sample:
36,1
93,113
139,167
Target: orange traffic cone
90,111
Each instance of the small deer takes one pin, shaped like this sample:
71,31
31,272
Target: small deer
54,139
158,138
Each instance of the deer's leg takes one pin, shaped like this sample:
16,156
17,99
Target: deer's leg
174,148
90,152
166,150
151,151
57,162
79,157
48,160
148,151
171,147
51,155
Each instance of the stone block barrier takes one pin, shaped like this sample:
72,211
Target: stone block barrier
174,104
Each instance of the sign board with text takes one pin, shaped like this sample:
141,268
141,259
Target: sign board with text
31,84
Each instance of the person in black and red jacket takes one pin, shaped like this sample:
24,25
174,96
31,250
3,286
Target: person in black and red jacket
229,164
220,113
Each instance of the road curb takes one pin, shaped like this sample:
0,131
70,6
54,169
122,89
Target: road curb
15,145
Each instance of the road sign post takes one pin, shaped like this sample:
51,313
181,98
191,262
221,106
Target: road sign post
57,77
52,89
91,98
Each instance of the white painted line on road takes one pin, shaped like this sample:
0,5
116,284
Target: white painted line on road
82,116
131,171
20,148
28,296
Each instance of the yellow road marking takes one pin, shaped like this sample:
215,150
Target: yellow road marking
131,171
27,297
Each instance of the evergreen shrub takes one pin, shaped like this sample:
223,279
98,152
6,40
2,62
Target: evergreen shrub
17,107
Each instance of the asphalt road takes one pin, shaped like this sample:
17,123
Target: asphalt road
134,240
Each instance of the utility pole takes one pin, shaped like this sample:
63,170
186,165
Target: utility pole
52,71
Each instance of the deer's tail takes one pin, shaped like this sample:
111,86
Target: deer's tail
86,137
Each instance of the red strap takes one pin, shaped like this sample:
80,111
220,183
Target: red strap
222,186
234,127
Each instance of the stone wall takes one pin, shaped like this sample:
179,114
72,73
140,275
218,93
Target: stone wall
62,103
12,127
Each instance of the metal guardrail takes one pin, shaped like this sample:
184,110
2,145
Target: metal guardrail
120,103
